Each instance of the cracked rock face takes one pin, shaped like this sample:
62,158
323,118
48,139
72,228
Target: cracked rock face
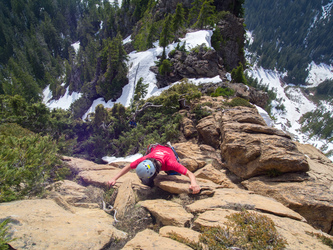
250,148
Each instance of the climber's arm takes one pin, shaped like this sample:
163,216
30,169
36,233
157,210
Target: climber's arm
122,172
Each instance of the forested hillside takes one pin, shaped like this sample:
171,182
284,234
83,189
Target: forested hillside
288,35
37,51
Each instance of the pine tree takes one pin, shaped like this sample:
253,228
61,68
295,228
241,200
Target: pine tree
178,19
237,74
100,116
166,35
140,90
194,11
206,15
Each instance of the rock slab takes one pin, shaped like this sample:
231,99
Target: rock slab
43,224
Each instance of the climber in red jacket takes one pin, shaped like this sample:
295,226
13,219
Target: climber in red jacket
160,158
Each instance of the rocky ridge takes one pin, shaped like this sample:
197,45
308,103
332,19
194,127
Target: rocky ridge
239,162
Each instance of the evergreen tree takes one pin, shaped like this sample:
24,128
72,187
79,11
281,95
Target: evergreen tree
194,11
100,116
166,35
178,19
206,15
113,63
165,67
140,90
238,8
237,74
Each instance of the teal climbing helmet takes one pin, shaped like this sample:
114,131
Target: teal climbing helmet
145,169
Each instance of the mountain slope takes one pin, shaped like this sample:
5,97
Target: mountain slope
287,46
289,35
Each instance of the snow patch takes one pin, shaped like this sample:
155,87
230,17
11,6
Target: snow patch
119,2
249,37
127,40
129,158
76,46
318,73
265,116
64,102
326,11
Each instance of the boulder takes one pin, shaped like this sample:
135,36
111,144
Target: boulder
190,164
148,239
189,150
75,194
167,213
209,131
241,199
188,128
125,199
310,194
250,148
182,232
99,174
219,177
296,233
43,224
257,97
176,184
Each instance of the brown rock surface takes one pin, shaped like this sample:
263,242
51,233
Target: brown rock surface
238,199
202,154
251,148
99,174
295,232
219,177
209,131
76,194
183,232
188,128
167,213
148,239
43,224
310,194
125,199
176,184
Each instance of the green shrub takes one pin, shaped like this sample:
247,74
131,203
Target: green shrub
208,104
200,112
203,47
165,67
238,101
324,239
238,75
246,230
26,162
186,241
4,235
223,92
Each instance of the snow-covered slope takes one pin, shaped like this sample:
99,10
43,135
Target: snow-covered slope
140,62
64,102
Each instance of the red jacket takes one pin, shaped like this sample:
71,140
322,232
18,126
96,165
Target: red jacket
166,156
